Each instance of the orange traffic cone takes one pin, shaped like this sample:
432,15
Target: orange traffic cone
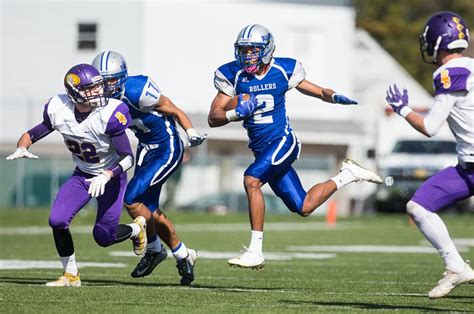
331,214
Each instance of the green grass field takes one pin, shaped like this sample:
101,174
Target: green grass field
326,278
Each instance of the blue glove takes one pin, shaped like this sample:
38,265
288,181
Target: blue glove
398,101
343,100
245,108
194,139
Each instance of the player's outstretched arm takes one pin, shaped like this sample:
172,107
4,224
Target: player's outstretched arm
166,106
398,101
217,114
22,148
325,94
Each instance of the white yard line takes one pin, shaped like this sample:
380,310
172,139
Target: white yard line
222,227
369,249
226,255
23,264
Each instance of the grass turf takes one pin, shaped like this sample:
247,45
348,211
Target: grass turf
350,282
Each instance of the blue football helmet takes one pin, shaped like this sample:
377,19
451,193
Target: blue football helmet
254,46
113,67
443,31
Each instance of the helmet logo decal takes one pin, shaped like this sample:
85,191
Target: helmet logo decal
121,118
459,27
445,79
73,79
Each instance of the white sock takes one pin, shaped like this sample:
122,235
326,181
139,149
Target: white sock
180,252
435,231
69,264
154,246
256,241
135,229
343,178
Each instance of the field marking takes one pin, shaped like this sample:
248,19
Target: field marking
226,255
24,264
224,227
369,249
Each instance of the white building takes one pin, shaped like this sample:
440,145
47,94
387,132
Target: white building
180,43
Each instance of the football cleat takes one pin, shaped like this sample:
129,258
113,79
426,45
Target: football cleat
450,281
359,172
66,280
148,263
140,241
249,259
186,267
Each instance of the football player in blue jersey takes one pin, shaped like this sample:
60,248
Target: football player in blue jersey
159,154
271,138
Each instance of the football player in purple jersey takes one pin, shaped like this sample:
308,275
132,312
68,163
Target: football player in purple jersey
442,43
93,128
271,138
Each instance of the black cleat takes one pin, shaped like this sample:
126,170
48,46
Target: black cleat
148,263
186,268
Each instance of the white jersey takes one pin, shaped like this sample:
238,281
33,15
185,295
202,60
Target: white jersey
454,103
89,141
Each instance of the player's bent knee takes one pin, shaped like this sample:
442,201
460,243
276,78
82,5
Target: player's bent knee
57,222
251,183
415,210
103,236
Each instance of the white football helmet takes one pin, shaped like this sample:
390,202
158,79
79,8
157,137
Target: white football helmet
262,43
113,68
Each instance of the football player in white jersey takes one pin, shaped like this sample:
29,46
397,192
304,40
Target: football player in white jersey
159,154
93,128
443,41
271,138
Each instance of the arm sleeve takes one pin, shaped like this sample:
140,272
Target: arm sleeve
440,111
42,129
223,85
297,77
124,150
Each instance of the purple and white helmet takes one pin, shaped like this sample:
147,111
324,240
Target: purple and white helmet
443,31
85,86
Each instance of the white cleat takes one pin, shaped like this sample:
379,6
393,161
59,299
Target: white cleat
140,241
66,280
450,281
248,259
359,172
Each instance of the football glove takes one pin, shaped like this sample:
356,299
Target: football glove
398,101
343,100
194,139
245,108
22,152
97,186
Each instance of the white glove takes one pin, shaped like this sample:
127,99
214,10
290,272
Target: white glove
21,152
194,138
97,187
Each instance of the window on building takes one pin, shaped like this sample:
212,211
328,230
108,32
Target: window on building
87,39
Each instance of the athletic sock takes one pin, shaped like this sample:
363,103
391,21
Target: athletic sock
69,264
435,231
154,245
256,241
343,178
180,251
135,229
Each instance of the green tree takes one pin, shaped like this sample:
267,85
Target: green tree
397,25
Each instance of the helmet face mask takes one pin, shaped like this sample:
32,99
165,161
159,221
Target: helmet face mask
254,47
85,86
113,67
443,31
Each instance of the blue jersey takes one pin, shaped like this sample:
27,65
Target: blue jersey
150,127
269,121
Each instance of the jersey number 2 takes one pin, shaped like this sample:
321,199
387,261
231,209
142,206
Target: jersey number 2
266,103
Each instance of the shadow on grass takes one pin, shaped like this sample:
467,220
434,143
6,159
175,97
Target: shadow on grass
137,283
371,306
